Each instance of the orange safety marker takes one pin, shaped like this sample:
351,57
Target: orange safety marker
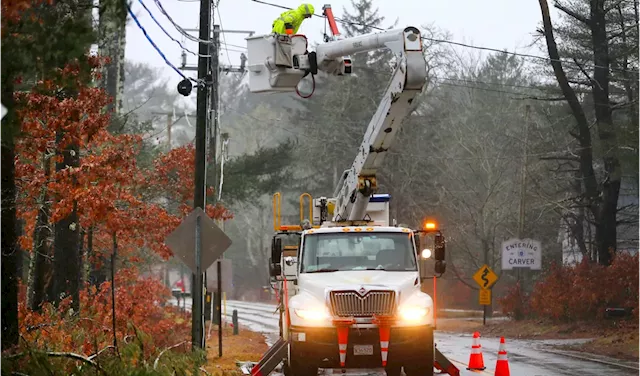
384,328
343,337
385,333
502,365
476,361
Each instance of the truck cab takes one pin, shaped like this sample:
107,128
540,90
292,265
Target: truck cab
357,283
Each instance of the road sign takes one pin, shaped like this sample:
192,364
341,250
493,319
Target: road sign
227,276
213,240
485,277
485,297
521,253
3,110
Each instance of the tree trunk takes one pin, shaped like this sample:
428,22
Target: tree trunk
605,214
82,252
603,208
66,260
41,251
112,40
9,239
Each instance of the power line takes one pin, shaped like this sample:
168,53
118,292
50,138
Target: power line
178,27
133,16
165,31
224,38
463,44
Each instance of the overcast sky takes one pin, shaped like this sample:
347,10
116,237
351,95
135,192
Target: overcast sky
499,24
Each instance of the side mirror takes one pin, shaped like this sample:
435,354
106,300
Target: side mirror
274,269
276,250
439,247
416,240
439,254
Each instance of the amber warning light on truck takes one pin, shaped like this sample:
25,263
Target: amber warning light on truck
430,225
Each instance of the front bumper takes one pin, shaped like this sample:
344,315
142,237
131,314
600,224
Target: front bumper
319,346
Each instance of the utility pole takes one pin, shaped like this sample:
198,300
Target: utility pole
215,72
170,122
197,327
206,32
213,148
523,273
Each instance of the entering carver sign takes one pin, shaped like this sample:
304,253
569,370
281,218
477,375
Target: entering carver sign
521,253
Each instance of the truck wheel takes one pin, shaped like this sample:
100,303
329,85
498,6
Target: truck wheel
295,365
295,368
421,363
393,370
424,367
418,371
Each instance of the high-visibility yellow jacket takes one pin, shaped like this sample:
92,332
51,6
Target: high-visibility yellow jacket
294,17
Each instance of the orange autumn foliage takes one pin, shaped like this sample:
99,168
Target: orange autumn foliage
140,316
111,195
13,10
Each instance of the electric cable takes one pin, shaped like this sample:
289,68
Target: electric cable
224,38
178,27
133,16
436,40
167,33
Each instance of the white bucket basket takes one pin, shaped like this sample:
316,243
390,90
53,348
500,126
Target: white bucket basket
264,75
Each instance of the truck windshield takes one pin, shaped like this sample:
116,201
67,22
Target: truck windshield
329,252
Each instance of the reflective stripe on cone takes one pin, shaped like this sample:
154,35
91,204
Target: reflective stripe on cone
476,361
502,365
385,333
343,336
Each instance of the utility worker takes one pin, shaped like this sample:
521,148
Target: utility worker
293,17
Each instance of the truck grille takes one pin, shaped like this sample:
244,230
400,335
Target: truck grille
352,304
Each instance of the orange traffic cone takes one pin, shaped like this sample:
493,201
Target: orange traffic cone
343,335
502,365
385,333
476,362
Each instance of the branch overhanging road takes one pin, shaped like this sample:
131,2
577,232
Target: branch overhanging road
526,357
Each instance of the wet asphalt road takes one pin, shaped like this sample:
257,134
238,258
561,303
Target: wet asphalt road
526,357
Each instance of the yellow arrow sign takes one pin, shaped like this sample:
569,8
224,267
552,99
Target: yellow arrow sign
485,277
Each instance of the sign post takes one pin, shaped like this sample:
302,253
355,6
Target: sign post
209,244
485,278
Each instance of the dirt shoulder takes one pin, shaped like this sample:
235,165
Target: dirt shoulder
617,340
246,346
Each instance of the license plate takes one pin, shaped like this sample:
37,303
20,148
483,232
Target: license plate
362,349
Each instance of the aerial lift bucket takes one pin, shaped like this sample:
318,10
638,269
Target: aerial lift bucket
271,358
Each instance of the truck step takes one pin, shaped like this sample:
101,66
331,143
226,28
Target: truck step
443,365
271,358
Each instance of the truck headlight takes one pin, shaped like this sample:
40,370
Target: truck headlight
413,313
317,314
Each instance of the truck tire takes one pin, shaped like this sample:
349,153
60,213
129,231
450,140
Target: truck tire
393,370
298,368
295,365
423,367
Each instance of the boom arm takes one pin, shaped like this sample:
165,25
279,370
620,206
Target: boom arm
333,56
277,63
407,81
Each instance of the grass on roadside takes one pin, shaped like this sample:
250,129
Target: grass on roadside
614,339
246,346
